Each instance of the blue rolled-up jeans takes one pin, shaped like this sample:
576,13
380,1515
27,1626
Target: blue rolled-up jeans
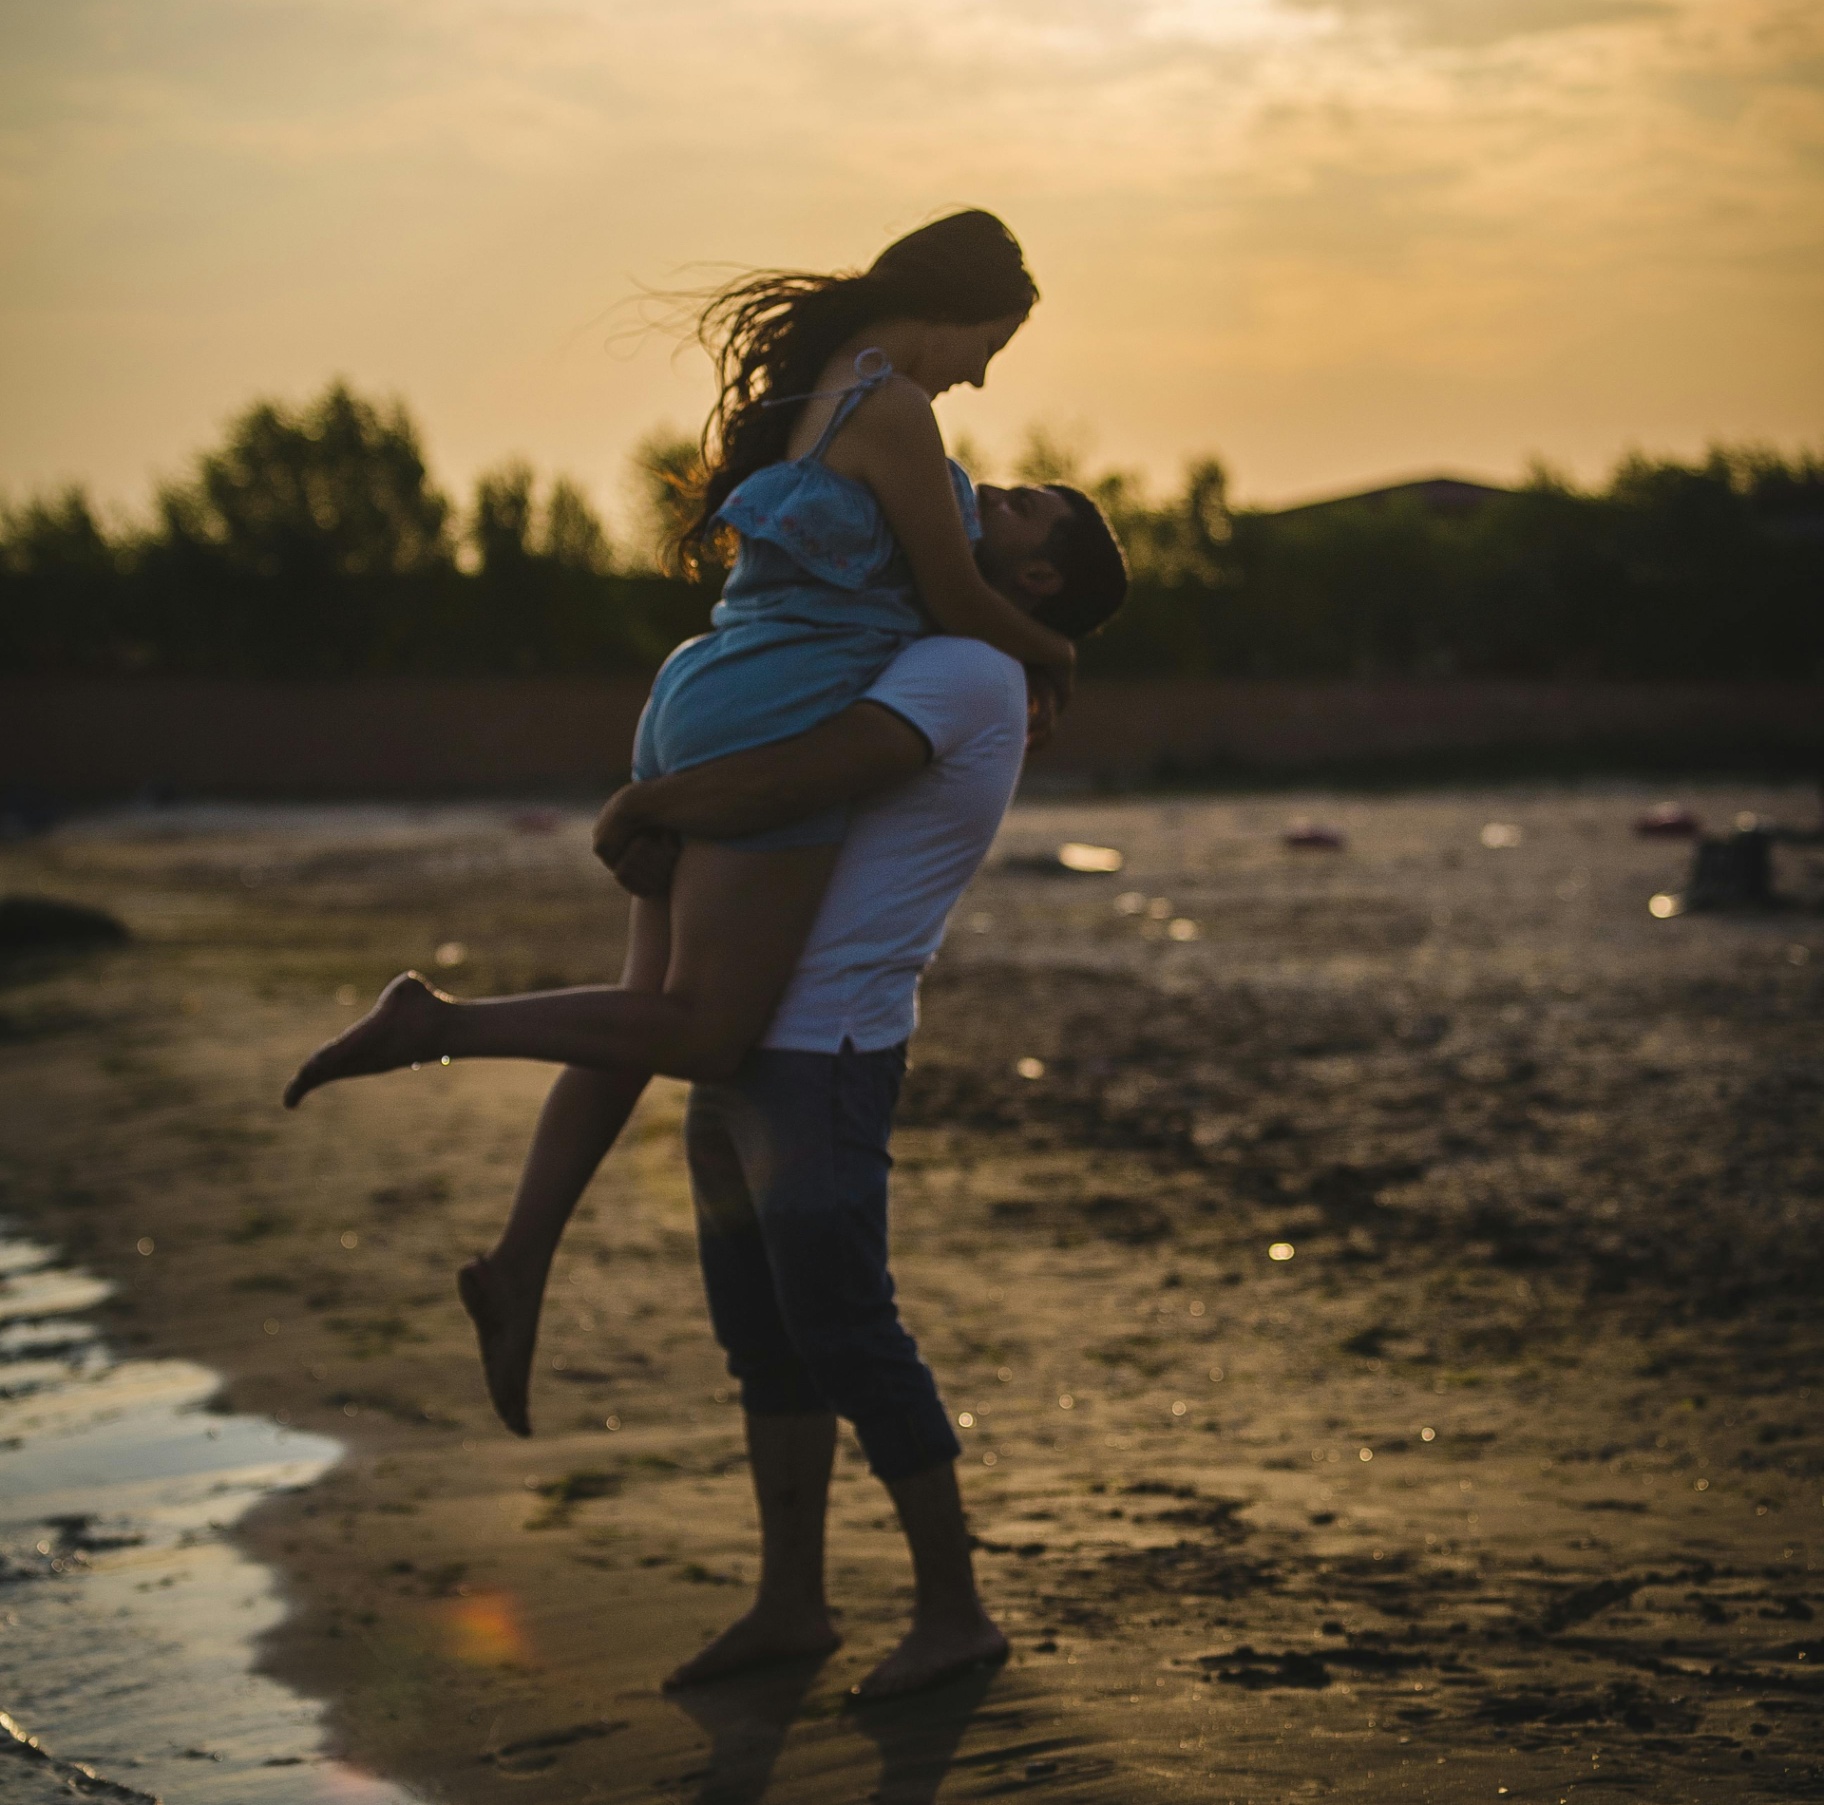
788,1167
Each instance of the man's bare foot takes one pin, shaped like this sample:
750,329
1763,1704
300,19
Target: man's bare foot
402,1028
756,1640
506,1324
930,1655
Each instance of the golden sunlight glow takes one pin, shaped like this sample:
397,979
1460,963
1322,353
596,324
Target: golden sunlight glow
1330,240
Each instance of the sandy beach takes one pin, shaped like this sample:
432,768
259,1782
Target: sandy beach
1378,1291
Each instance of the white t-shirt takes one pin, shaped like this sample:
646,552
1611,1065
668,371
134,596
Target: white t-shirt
911,851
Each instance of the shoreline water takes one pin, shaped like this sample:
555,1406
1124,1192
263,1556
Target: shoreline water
131,1616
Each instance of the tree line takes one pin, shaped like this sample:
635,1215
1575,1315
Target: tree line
313,543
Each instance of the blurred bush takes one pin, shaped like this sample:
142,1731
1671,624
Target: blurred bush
1714,569
313,543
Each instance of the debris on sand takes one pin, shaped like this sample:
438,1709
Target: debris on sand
1075,858
1586,1602
1303,1668
1077,855
39,923
1733,873
1668,821
1245,1668
1311,836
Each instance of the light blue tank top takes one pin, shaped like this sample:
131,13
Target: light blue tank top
820,600
815,546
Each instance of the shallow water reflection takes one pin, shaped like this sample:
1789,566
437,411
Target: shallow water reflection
777,1735
130,1620
746,1718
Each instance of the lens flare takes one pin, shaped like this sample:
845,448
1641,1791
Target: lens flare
485,1630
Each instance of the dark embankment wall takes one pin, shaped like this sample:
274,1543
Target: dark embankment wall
382,736
95,738
1129,731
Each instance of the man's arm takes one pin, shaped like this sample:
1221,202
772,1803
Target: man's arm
864,749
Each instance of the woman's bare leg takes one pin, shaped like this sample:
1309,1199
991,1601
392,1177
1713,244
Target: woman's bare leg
739,920
503,1290
724,948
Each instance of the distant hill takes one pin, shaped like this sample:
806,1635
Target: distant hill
1445,495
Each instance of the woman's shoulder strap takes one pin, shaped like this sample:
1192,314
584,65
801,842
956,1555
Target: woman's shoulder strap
872,368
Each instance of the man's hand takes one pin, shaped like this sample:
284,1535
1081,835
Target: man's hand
620,823
864,749
641,855
1042,709
645,867
1062,677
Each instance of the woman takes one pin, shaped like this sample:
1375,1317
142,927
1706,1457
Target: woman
824,461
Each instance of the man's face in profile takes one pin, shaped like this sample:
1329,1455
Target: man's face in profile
1016,523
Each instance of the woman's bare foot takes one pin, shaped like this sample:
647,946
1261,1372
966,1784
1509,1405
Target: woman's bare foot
761,1637
932,1654
505,1316
402,1028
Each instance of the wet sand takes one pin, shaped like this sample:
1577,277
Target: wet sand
1510,1477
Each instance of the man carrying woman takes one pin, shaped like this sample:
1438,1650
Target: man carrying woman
800,913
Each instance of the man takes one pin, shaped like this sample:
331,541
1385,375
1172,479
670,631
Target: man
788,1157
796,1085
797,1046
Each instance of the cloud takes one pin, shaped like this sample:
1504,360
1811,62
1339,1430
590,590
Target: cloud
1223,199
1481,22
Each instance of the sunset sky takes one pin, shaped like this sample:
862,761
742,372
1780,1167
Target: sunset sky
1332,241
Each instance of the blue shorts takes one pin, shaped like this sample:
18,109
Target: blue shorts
788,1166
751,684
825,828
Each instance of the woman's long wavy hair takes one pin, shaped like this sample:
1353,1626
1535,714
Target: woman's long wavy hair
771,333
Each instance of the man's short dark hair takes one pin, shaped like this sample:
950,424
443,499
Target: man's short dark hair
1089,560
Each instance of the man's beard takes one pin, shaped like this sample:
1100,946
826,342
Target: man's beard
994,572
